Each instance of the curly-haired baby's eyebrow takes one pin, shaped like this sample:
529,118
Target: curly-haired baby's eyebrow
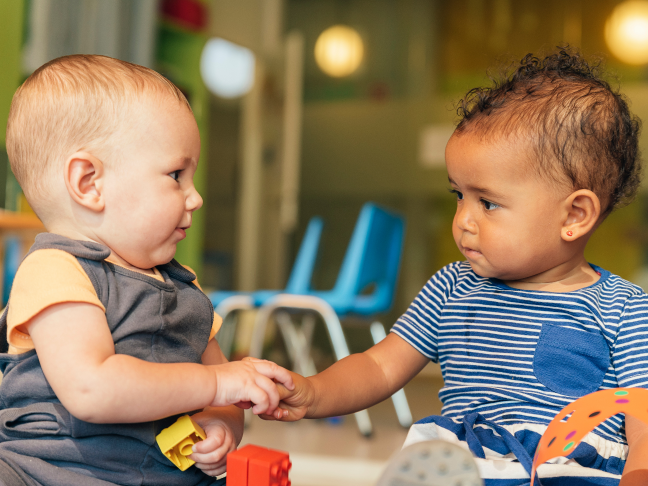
483,191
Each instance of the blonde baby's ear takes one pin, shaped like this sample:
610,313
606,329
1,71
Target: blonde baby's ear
84,174
582,213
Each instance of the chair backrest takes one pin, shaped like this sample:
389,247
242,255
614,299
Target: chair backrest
372,260
301,274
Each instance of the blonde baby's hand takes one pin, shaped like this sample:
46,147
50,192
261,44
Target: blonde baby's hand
211,454
250,383
295,403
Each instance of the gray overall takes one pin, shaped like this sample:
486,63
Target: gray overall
41,444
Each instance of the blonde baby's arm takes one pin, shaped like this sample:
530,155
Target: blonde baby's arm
231,416
223,426
77,354
353,383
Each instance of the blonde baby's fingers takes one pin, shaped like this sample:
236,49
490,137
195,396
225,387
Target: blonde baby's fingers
211,470
270,389
259,398
221,454
203,447
211,459
274,372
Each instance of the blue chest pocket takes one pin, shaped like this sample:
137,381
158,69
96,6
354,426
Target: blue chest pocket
570,362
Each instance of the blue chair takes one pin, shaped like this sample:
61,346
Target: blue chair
13,255
364,288
226,303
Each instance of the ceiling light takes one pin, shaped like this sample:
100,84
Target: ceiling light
339,51
626,32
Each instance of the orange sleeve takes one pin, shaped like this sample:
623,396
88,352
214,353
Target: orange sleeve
218,320
45,278
216,325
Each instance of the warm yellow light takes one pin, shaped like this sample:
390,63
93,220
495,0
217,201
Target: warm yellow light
626,32
339,51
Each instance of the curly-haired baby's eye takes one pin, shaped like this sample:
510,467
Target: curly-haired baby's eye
457,193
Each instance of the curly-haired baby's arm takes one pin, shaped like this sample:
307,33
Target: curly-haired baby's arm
635,472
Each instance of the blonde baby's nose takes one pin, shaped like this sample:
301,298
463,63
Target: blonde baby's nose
194,201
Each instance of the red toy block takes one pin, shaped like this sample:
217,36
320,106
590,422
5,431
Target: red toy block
270,468
257,466
237,464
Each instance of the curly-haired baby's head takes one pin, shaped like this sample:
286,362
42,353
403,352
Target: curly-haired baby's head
579,129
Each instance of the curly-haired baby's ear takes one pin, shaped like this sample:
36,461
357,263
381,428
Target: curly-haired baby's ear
582,214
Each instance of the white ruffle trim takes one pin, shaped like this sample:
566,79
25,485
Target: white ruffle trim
502,466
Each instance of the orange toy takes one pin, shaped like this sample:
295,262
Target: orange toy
257,466
562,437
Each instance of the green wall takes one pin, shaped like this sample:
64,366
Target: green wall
11,13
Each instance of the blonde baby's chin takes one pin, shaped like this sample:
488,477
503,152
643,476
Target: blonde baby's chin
156,262
146,260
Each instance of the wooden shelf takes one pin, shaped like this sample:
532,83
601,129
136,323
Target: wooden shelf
10,220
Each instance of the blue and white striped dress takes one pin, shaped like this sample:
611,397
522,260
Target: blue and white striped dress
514,358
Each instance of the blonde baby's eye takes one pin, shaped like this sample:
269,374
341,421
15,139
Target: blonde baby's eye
489,205
175,175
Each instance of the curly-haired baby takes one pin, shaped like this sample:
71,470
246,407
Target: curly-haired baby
525,325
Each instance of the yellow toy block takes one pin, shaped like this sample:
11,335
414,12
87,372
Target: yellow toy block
176,441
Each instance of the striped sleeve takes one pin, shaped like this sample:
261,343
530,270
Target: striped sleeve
630,351
419,326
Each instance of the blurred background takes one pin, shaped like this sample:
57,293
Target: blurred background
313,108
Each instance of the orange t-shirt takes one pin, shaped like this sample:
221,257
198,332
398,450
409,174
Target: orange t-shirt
49,277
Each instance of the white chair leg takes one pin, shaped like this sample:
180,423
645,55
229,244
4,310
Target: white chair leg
289,334
305,357
258,332
226,335
291,338
227,309
402,409
399,399
333,326
297,343
342,351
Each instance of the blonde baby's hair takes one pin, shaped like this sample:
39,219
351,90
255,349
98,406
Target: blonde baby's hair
73,103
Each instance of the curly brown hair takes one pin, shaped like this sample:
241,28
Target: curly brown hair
581,129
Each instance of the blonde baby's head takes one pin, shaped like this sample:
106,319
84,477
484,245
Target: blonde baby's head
537,161
86,137
72,103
